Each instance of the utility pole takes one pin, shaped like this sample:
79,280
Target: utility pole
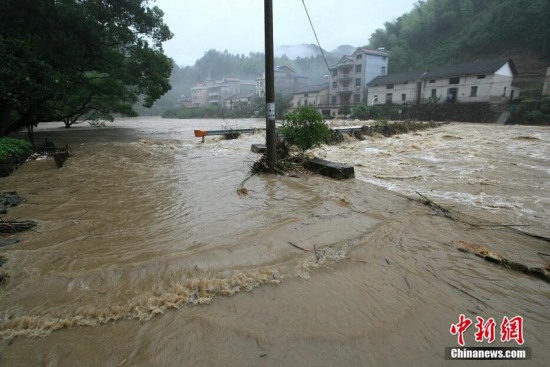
269,86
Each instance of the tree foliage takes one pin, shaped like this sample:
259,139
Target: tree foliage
60,60
305,128
437,32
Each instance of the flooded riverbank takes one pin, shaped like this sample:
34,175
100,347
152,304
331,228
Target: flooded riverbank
142,236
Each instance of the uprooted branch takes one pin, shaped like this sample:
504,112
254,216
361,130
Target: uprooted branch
444,212
16,226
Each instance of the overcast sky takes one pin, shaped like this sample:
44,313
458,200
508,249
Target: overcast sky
238,25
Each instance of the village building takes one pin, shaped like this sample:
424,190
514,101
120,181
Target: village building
199,95
185,101
241,102
216,93
286,81
479,81
316,95
350,77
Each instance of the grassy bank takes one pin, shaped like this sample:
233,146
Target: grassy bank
13,152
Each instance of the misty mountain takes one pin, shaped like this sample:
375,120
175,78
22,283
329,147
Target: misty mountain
295,51
311,50
343,50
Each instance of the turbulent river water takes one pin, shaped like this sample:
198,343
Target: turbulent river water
142,237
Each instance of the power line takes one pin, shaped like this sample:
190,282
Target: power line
317,39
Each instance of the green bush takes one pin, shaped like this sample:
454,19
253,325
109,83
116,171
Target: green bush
14,148
305,128
532,111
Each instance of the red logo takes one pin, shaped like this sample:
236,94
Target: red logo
510,329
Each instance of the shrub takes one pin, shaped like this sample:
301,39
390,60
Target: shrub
305,128
14,148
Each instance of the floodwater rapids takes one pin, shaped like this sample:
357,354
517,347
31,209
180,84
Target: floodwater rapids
146,255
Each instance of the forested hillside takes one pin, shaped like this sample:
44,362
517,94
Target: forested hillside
434,33
215,65
438,32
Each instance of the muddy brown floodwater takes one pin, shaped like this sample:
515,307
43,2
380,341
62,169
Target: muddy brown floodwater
145,255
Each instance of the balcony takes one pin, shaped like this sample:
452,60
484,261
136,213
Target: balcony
345,90
344,77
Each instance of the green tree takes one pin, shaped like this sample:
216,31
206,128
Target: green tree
305,128
92,56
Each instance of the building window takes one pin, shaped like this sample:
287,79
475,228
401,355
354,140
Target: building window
388,98
383,70
389,86
434,93
356,98
357,68
403,97
473,92
481,76
504,94
384,58
359,56
305,94
334,85
333,99
358,82
432,81
455,80
335,72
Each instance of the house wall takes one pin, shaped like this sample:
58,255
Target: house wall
310,99
381,91
491,88
371,67
199,96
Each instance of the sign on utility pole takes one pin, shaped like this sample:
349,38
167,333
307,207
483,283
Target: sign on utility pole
269,86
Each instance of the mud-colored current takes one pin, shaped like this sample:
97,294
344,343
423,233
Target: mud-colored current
142,237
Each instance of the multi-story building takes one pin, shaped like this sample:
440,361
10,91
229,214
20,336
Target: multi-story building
220,90
350,76
287,81
217,93
199,95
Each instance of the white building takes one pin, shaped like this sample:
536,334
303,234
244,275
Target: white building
351,75
480,81
199,95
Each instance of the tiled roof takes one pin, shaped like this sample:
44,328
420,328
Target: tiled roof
471,68
312,88
400,78
447,71
346,59
371,51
